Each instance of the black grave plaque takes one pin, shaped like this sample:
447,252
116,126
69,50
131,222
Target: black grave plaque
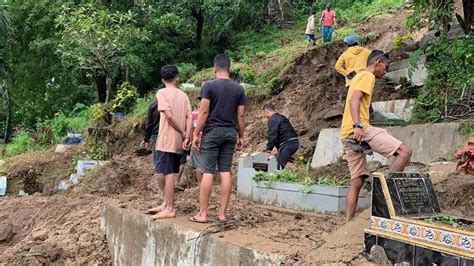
260,167
412,194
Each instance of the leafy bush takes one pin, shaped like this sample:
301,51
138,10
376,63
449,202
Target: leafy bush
202,76
450,73
243,72
141,107
21,142
186,71
97,112
400,39
359,11
467,128
125,99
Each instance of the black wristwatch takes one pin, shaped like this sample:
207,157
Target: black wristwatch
358,125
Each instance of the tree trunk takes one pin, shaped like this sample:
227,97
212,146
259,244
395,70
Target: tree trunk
282,12
8,110
468,10
101,88
198,14
108,84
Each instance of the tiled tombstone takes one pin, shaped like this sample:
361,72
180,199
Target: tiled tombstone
249,164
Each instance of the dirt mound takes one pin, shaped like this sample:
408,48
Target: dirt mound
124,174
35,171
455,195
313,98
60,230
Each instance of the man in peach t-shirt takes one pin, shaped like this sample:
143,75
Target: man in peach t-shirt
174,135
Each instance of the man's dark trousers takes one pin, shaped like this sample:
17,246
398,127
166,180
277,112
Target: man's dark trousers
287,149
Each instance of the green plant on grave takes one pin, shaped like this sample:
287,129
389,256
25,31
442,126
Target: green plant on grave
268,179
331,181
445,219
125,99
96,149
306,186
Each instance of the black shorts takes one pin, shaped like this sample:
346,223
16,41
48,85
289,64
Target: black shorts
184,157
217,148
168,163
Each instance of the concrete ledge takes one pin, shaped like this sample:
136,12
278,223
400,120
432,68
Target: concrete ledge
135,239
428,142
288,195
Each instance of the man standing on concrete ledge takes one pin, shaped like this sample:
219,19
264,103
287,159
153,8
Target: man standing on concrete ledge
358,135
174,136
281,135
222,116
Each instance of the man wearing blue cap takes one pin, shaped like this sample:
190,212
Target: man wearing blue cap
353,60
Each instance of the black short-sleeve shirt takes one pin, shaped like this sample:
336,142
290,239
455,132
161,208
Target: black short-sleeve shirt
225,96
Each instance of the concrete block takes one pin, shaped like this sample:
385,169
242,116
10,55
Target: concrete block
401,68
402,108
3,185
428,142
246,169
83,165
62,148
167,243
320,198
186,86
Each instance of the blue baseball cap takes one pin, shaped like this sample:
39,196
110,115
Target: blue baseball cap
350,40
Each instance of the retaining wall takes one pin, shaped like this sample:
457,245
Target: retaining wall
428,142
135,239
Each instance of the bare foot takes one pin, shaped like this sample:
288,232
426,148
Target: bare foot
157,209
165,214
221,217
200,218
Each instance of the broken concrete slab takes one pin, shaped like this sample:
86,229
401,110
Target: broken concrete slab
187,86
62,148
3,185
402,108
400,69
83,165
166,243
429,142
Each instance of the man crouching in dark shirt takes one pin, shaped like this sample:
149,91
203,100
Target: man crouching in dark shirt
281,135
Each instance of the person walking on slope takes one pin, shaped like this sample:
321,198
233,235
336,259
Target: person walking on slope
310,30
222,115
358,135
174,137
281,136
328,22
353,60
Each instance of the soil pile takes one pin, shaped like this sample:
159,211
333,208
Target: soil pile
455,195
58,229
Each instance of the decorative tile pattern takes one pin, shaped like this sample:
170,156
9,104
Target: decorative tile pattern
423,233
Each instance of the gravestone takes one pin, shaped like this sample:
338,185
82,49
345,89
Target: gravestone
3,185
412,194
249,165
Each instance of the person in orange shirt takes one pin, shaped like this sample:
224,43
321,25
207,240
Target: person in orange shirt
357,134
174,135
328,22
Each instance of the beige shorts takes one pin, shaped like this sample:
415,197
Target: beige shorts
380,141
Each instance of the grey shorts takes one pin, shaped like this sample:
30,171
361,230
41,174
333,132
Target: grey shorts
217,149
195,159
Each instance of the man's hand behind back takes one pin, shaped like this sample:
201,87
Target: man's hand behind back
240,144
196,143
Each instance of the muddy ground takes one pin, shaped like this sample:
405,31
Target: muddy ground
64,227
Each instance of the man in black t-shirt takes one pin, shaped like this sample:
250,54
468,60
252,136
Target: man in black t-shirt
281,135
222,121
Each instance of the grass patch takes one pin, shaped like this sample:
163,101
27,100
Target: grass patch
358,12
466,128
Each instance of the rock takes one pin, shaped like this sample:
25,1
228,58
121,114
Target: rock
303,131
6,232
246,86
40,235
62,148
334,113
